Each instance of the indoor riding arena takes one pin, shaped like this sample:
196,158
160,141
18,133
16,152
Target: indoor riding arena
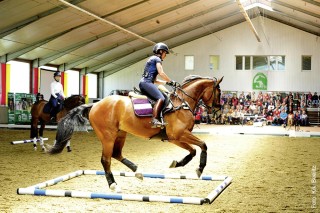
159,106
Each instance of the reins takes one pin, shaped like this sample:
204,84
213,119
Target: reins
185,102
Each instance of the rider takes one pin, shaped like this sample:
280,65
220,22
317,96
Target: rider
57,94
152,69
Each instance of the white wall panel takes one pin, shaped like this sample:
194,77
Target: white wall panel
276,39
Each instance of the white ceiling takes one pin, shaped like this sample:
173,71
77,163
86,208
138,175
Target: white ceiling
100,35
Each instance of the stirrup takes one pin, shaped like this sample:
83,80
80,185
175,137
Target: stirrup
155,123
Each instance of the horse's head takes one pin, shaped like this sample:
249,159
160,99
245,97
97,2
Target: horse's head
211,95
205,88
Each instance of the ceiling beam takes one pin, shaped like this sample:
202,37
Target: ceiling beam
243,11
295,8
108,72
294,18
12,28
313,2
16,54
77,62
67,66
33,46
48,59
108,22
292,25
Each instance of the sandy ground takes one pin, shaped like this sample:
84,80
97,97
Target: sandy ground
270,174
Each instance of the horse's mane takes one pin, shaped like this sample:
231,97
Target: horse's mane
68,102
191,78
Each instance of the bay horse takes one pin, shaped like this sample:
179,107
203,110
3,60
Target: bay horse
113,117
38,115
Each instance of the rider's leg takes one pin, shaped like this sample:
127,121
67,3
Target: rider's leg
156,111
54,105
152,91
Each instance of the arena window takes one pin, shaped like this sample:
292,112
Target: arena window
189,62
214,62
266,63
306,63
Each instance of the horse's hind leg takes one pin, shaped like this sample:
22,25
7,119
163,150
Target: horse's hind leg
117,153
34,132
107,139
42,125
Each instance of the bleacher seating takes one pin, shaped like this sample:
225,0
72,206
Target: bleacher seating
313,116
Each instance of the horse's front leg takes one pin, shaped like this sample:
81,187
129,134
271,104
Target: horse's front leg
184,161
188,138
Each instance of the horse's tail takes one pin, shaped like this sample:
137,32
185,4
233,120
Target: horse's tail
78,117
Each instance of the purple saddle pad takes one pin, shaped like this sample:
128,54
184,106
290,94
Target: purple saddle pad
141,107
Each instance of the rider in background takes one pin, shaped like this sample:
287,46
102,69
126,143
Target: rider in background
152,69
57,95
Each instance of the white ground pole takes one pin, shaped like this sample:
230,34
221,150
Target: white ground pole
27,141
38,188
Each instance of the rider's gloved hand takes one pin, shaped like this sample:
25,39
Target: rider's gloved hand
173,83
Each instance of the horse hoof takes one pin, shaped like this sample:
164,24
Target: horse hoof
69,149
115,187
199,173
173,164
35,148
138,174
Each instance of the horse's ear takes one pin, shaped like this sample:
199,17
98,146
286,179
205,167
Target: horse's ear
219,81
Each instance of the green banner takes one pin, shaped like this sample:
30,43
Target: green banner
19,107
11,107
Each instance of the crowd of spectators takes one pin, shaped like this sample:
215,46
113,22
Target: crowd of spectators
274,108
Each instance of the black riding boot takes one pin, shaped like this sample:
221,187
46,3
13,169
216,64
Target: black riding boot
156,111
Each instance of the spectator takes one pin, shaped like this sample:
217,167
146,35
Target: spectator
253,96
283,118
248,97
315,100
224,116
252,109
241,99
276,117
309,99
260,97
290,96
304,118
290,120
234,100
297,120
236,116
230,113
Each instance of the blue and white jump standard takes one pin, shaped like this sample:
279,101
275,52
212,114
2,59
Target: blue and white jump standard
38,188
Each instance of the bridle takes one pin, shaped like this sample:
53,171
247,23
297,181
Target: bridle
214,104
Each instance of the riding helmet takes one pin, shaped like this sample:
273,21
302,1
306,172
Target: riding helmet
57,73
160,46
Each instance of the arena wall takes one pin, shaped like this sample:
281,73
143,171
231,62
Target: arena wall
276,39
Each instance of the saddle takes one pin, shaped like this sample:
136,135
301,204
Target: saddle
143,105
48,107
